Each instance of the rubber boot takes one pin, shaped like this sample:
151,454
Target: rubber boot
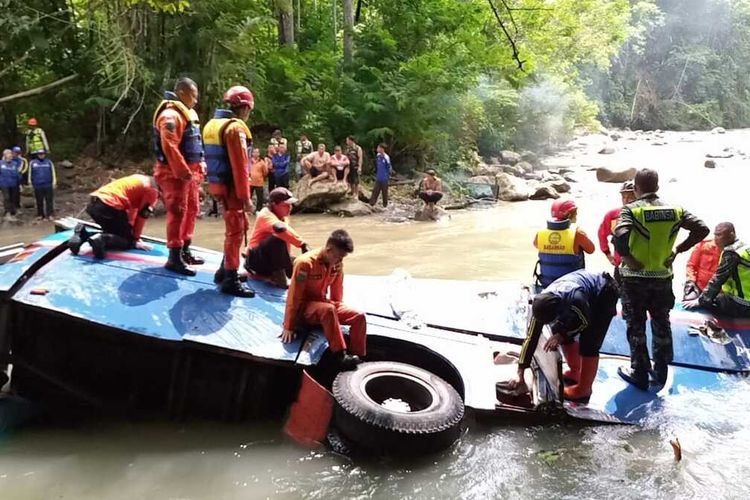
347,362
573,358
188,257
219,274
658,376
231,285
176,264
80,236
629,375
581,392
97,245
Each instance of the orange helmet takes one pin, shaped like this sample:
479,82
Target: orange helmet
561,209
239,96
33,122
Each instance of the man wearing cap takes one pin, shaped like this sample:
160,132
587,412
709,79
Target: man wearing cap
645,236
227,139
579,305
561,243
268,254
314,298
36,139
607,227
728,292
22,164
431,188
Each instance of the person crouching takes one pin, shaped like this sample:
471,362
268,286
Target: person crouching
315,296
121,209
580,304
268,253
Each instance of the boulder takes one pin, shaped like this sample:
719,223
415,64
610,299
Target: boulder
66,164
559,184
491,170
532,176
718,130
510,157
570,177
350,208
480,190
513,170
320,195
544,192
525,166
607,150
709,164
510,188
434,213
605,174
482,179
530,157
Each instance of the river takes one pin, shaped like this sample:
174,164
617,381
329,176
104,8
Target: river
493,459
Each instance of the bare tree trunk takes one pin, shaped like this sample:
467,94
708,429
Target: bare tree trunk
285,13
333,22
348,31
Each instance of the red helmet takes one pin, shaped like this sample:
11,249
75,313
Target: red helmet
239,96
561,209
33,122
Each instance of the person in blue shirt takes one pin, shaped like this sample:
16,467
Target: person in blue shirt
9,175
22,164
382,176
44,181
280,161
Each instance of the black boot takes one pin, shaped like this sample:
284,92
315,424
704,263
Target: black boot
80,236
97,245
347,362
3,378
176,264
632,377
231,285
188,257
219,275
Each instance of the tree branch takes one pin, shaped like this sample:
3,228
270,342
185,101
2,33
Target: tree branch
38,90
516,54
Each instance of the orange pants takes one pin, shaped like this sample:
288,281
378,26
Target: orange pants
235,226
331,315
192,207
175,196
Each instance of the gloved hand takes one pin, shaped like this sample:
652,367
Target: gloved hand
690,291
305,247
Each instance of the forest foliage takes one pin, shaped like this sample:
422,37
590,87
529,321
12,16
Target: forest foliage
433,79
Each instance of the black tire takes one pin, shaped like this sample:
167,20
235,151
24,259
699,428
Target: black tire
430,423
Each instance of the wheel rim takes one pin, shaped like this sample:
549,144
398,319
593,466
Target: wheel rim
399,392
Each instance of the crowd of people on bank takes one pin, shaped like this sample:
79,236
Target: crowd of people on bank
16,172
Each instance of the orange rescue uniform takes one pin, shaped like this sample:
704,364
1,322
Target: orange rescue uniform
233,198
176,176
314,298
267,224
131,194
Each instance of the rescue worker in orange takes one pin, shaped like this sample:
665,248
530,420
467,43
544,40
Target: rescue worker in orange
314,298
561,244
268,254
703,262
179,166
121,209
228,140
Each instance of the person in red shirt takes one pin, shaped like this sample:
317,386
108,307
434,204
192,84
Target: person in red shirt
703,262
315,296
227,138
121,209
606,228
179,161
268,254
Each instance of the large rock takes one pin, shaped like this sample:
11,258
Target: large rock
480,190
320,195
558,184
532,176
66,164
605,174
709,164
491,170
482,179
530,157
544,192
607,150
350,208
718,130
434,213
525,166
513,170
510,157
510,188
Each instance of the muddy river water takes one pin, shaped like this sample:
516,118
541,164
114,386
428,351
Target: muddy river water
493,459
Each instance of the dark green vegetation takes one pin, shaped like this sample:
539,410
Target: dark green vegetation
434,79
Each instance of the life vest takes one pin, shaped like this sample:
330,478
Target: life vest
41,173
9,174
738,284
36,140
191,145
218,167
557,252
652,238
